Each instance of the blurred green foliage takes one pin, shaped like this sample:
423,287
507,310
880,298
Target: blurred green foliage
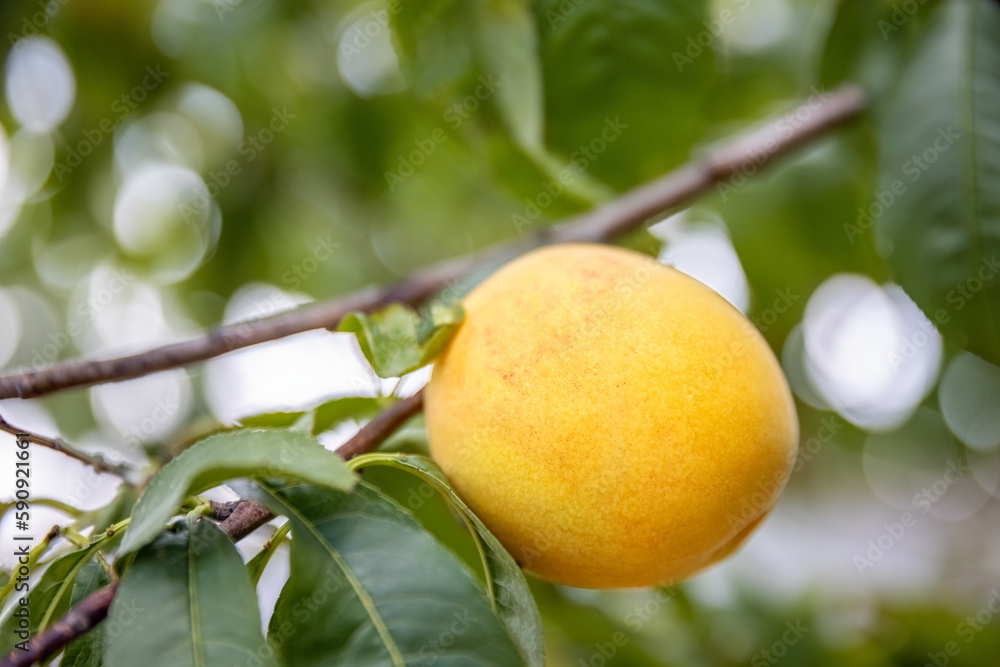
339,176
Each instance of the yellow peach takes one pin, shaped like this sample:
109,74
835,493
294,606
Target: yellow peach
613,421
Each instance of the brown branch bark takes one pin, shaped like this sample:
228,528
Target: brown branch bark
248,516
78,621
382,426
222,510
95,461
747,152
238,518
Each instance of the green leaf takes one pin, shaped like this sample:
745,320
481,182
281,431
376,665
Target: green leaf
508,48
411,439
508,52
938,206
186,600
581,623
271,420
369,586
337,410
868,42
624,99
51,594
507,588
432,42
500,36
304,424
326,416
395,341
88,650
225,456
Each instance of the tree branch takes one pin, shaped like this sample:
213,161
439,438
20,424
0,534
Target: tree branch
747,153
239,519
95,461
78,621
246,517
382,426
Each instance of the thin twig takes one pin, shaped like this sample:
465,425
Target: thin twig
239,519
78,621
382,426
747,153
95,461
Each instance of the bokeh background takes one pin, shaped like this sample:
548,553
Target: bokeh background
166,166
